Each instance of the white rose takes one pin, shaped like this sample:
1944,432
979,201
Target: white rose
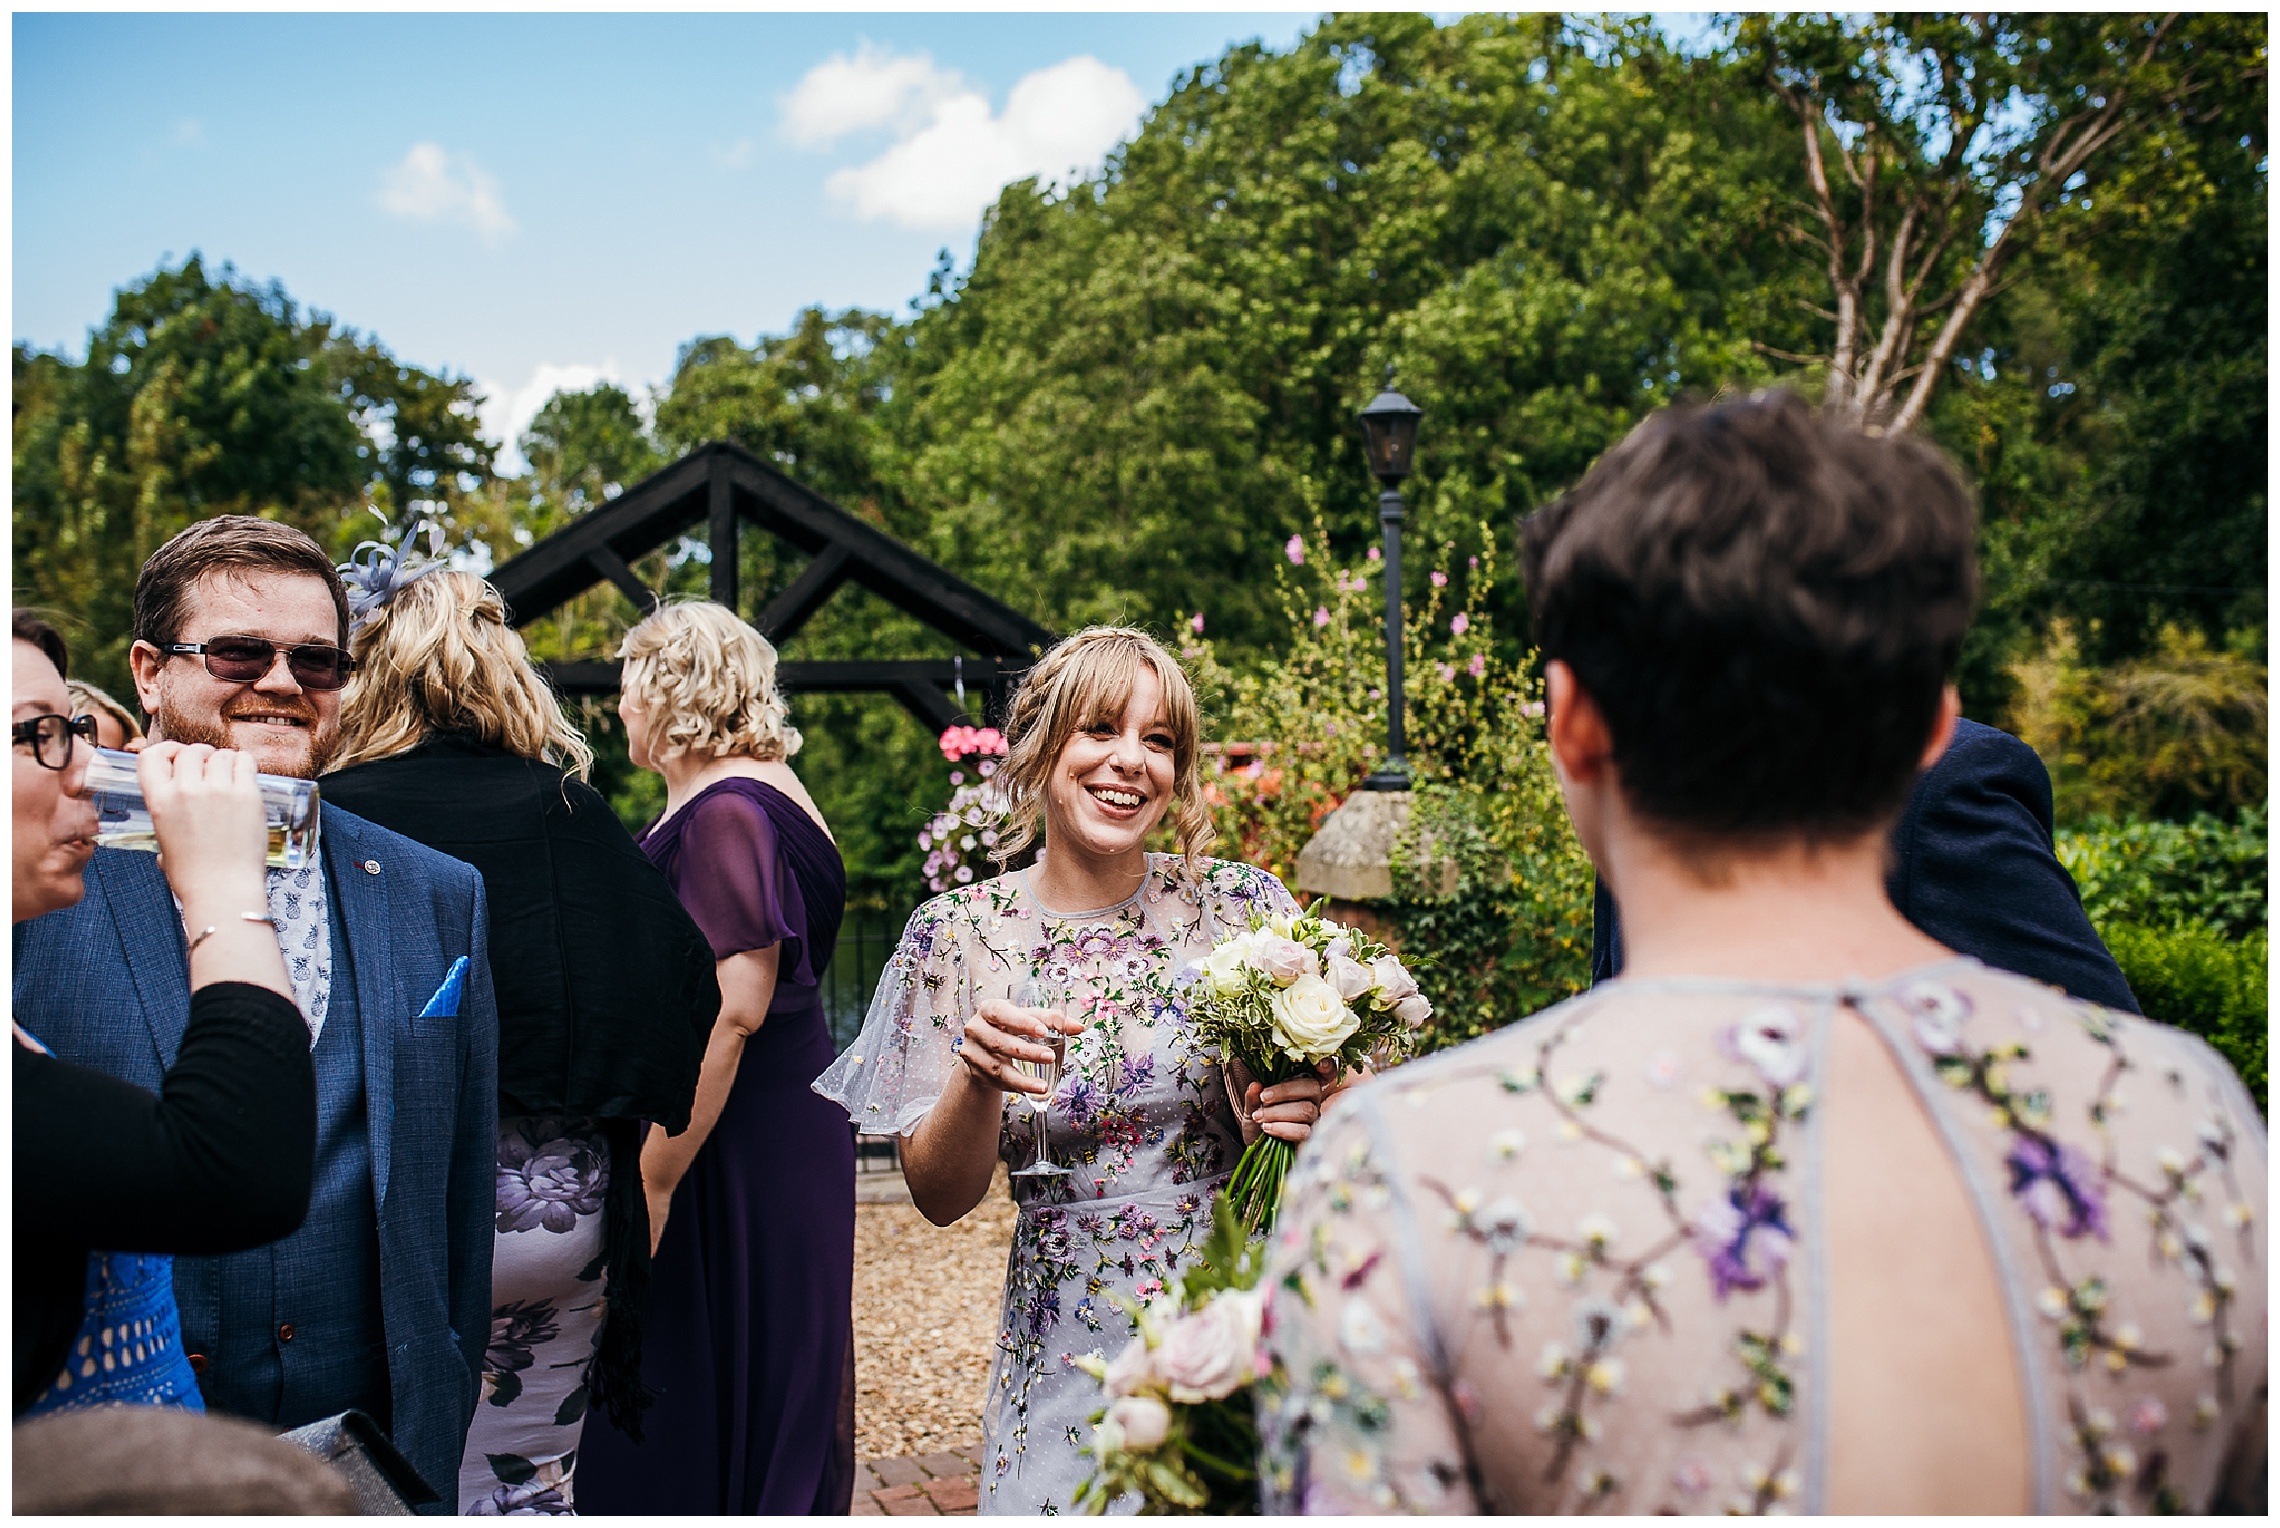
1132,1371
1352,979
1309,1020
1143,1420
1285,960
1393,980
1225,969
1209,1354
1413,1010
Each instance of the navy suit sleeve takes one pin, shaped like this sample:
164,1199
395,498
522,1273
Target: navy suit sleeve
1973,867
1606,935
475,1147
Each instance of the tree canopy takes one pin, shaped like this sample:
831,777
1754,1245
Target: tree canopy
2041,240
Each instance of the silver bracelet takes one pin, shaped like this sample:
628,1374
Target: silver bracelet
210,930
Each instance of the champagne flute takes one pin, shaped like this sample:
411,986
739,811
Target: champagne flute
1033,995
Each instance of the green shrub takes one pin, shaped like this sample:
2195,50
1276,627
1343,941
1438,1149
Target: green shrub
2172,874
2206,981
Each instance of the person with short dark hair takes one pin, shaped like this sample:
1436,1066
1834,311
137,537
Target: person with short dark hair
381,1300
1804,1211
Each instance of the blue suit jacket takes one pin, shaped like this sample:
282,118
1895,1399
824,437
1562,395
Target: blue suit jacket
106,984
1972,866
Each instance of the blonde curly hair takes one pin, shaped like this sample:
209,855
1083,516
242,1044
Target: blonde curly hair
439,656
1086,679
708,682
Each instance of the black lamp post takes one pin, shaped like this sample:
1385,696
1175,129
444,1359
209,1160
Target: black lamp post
1389,432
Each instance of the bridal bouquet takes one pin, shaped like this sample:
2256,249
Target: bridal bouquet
1179,1429
1288,993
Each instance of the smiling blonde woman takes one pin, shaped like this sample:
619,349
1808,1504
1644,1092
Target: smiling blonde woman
1084,945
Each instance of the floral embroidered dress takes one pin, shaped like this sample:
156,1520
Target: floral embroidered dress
1578,1265
1141,1120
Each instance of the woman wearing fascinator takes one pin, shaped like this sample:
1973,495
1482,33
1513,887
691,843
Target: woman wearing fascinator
606,996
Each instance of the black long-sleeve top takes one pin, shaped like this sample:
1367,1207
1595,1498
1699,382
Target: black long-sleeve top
218,1160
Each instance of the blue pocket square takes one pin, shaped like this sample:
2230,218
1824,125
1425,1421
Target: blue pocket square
445,1003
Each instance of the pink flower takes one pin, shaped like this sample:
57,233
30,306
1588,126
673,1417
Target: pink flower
1448,672
1440,579
1472,562
1477,667
1373,554
2148,1417
1207,1355
1284,960
1295,549
1132,1371
1195,623
1321,615
1143,1420
1459,624
1532,708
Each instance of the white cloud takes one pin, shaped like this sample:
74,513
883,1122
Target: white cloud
508,411
875,88
435,185
734,156
190,133
953,154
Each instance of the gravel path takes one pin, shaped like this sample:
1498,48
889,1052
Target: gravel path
926,1312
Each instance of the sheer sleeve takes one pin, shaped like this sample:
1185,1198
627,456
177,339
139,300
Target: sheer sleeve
1356,1417
735,882
896,1069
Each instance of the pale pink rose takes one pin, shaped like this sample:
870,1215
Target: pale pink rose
1132,1371
1206,1355
1350,977
1393,980
1413,1010
1284,960
1144,1421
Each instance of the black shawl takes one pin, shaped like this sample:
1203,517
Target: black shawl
606,988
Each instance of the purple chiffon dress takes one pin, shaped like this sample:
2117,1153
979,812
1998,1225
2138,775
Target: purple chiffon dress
749,1338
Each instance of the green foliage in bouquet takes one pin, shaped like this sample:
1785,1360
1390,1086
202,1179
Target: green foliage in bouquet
1179,1448
1510,932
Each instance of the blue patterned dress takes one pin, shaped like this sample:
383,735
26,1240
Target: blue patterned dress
1141,1119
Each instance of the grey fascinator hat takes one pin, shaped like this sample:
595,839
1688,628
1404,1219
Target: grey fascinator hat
376,572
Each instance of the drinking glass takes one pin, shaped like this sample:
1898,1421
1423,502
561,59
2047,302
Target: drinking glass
123,820
1034,995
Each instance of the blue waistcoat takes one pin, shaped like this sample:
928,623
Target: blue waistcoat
292,1332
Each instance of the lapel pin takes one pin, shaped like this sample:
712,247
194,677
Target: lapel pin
371,867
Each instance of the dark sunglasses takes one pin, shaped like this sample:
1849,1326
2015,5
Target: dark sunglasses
50,736
242,660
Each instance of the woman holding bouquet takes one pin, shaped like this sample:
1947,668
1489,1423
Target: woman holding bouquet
1096,937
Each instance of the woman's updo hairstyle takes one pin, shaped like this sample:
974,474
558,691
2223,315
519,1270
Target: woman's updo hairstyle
708,682
1084,680
439,656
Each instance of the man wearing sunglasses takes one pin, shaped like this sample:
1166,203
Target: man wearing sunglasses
381,1301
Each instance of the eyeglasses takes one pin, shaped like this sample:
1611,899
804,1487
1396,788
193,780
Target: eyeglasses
50,736
242,660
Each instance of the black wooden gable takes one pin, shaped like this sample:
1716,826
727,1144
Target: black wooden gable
721,486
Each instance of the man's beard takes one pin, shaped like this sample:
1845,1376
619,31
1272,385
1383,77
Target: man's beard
177,727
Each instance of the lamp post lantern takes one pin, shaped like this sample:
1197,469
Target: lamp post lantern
1389,433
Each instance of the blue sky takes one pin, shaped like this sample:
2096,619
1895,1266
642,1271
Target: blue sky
541,200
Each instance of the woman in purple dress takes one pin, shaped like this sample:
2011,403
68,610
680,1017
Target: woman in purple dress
749,1341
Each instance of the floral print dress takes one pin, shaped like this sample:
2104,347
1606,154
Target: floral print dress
546,1318
1580,1265
1141,1119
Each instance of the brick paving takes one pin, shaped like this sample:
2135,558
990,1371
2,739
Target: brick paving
946,1484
